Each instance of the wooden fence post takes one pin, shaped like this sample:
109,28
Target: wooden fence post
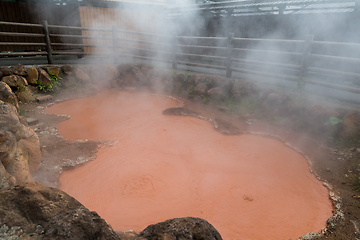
174,50
305,59
115,44
47,41
229,55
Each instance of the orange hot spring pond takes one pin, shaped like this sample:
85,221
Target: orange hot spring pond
161,167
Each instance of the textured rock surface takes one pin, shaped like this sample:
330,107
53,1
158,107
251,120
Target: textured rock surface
15,81
48,213
82,76
33,76
188,228
350,125
6,71
216,93
44,77
7,95
19,69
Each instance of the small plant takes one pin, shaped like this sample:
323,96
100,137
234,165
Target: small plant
301,83
21,112
333,121
54,82
205,98
21,88
191,91
356,182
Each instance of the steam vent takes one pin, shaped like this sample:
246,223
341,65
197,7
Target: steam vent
180,120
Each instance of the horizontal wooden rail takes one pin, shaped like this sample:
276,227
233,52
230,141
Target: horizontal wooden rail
21,24
21,44
202,47
80,28
17,54
269,40
202,38
79,36
14,34
282,65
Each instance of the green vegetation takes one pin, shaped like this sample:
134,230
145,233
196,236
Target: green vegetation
21,88
333,121
21,112
50,87
356,182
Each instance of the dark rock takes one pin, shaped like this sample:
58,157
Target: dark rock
199,78
26,94
275,101
53,70
8,146
225,127
19,69
15,81
142,79
67,69
6,71
351,124
7,95
180,112
33,76
242,88
188,228
1,74
32,121
45,98
51,214
44,77
200,89
216,94
6,180
228,85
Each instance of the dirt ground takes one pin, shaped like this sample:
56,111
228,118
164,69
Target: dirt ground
333,165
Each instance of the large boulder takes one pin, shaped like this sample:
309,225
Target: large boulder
18,166
33,76
40,212
216,94
19,69
8,145
7,95
6,180
67,69
241,89
201,89
276,102
188,228
82,76
6,71
44,77
33,154
350,125
53,70
15,81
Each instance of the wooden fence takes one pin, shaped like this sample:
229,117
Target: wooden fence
329,64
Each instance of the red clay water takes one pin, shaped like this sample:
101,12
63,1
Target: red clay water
162,167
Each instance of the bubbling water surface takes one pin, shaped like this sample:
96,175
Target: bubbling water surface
161,167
